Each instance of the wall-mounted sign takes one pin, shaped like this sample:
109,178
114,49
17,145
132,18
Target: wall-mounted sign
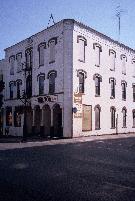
48,98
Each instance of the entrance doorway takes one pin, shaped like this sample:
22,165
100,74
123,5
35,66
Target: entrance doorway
57,121
46,120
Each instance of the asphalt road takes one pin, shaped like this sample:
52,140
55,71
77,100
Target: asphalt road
100,170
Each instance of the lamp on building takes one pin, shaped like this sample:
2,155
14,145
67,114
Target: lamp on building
25,98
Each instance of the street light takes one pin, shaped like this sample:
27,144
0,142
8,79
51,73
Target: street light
25,98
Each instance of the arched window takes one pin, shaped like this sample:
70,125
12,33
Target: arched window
124,85
133,64
97,116
11,86
18,85
82,76
124,61
18,59
82,42
51,43
41,78
29,57
133,112
133,85
12,64
97,47
124,112
112,81
112,55
9,116
51,76
113,111
97,79
29,86
41,48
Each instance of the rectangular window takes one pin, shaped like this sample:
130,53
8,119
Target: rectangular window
11,90
133,118
12,63
29,58
41,54
41,85
112,59
112,118
52,51
134,93
97,86
124,60
133,64
112,89
123,91
19,65
81,82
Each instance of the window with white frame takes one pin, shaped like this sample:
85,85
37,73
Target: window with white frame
124,112
133,66
41,49
11,86
51,76
97,117
124,85
113,111
133,92
12,64
97,78
29,57
82,43
123,61
112,82
41,78
82,75
18,87
112,57
52,43
97,50
133,112
18,59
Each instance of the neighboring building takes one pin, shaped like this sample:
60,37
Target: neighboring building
77,82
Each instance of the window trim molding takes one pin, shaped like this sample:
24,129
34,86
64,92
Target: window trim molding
97,75
80,37
19,53
123,56
112,51
40,75
50,72
12,56
97,45
82,71
53,39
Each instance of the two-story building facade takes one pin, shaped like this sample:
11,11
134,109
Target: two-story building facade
67,81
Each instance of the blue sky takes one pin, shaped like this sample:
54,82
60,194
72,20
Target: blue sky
20,19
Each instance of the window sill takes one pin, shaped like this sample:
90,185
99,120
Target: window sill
97,65
51,62
123,73
96,95
81,60
113,128
124,127
112,97
133,126
97,128
41,65
124,99
112,69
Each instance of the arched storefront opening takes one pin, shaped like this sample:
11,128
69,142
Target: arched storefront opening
46,120
37,120
29,115
57,121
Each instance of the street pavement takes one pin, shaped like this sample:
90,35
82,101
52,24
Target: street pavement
96,168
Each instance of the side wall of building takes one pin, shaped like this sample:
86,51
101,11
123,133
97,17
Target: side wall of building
104,101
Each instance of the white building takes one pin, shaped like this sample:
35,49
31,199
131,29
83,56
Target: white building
77,82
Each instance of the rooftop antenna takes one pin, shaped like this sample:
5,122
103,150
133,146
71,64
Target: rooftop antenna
51,18
119,13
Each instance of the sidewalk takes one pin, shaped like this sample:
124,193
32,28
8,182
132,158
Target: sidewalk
16,142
